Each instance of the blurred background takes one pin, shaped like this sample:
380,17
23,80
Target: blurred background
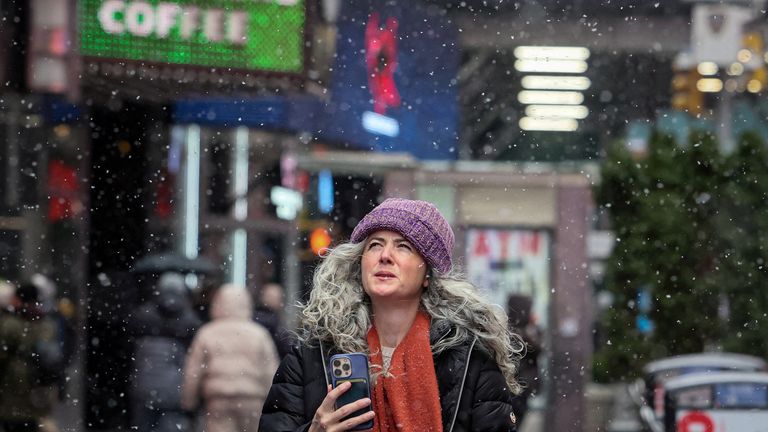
603,159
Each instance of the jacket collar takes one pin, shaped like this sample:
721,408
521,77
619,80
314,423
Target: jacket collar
439,329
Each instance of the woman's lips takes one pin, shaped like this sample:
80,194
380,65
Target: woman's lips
385,275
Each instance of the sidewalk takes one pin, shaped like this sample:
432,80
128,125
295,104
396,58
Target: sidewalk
534,422
68,414
625,416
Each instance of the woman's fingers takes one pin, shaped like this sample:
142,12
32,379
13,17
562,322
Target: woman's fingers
352,407
329,402
328,418
321,420
325,418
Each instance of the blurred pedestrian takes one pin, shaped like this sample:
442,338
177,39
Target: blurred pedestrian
60,312
7,294
29,358
269,313
519,310
441,355
162,329
230,365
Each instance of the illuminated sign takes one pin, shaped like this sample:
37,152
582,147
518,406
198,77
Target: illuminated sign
251,35
511,262
287,201
394,85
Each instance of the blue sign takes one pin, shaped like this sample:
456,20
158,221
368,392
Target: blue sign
644,304
325,191
644,324
394,86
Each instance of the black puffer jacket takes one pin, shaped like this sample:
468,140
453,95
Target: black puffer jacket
473,393
162,329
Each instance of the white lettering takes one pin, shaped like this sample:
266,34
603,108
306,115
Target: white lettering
238,23
189,22
140,18
107,16
287,2
166,18
212,26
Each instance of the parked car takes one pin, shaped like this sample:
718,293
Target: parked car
717,402
648,391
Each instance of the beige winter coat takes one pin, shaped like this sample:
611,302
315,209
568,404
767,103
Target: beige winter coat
231,356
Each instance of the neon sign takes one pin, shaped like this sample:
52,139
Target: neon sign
252,35
381,64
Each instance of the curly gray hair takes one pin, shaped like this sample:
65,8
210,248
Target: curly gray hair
339,311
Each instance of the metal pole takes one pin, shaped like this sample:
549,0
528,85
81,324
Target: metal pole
292,276
292,265
725,122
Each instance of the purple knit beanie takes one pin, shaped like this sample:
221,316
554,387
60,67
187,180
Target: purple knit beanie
419,222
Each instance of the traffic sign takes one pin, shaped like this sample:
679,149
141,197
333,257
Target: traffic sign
695,421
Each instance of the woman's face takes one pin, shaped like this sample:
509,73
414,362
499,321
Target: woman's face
392,269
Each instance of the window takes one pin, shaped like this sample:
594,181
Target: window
741,395
695,397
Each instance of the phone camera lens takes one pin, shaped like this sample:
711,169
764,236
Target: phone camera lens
345,366
337,372
336,363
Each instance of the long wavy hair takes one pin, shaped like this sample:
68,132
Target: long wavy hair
339,311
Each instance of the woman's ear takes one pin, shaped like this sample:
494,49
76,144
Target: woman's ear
425,284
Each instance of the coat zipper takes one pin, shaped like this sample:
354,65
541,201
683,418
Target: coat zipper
463,380
322,361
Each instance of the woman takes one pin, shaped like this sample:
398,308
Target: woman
441,356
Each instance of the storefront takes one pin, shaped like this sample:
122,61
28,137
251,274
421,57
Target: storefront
43,219
187,127
43,161
523,231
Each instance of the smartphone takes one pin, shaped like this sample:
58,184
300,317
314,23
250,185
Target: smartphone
352,368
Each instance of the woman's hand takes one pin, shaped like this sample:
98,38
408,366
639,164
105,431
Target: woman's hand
329,419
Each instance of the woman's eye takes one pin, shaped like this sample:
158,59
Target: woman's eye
373,244
405,246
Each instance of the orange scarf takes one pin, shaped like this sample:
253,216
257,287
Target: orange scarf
408,398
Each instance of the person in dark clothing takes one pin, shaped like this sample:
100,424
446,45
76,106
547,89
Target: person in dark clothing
268,312
441,357
521,322
28,356
60,311
162,329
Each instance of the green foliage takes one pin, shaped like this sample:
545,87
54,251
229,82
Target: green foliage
692,229
740,266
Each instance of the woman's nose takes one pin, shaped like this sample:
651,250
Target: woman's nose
386,254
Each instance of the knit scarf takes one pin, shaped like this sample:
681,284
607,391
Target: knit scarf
407,399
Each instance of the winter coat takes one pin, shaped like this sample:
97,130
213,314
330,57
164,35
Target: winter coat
473,393
231,356
271,321
163,329
22,396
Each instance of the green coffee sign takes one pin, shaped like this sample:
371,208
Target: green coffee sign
243,34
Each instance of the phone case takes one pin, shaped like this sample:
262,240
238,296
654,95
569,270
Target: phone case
352,368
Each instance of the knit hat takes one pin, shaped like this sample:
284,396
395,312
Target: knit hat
419,222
